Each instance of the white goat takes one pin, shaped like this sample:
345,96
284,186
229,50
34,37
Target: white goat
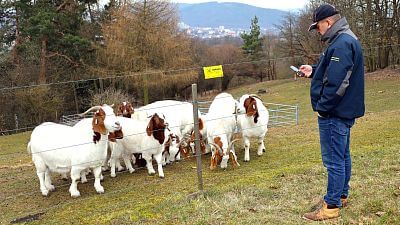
111,142
221,124
179,116
60,148
253,121
145,137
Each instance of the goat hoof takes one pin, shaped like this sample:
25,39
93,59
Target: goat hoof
75,194
151,173
51,188
113,175
162,177
45,193
100,190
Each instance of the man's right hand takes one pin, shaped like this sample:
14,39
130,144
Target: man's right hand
306,69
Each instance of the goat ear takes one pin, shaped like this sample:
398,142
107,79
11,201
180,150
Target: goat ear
202,146
213,165
119,134
98,122
255,108
255,105
111,137
201,124
217,141
96,137
256,117
246,103
149,128
119,110
115,135
250,106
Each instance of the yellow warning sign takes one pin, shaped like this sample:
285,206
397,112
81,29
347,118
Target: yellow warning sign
213,72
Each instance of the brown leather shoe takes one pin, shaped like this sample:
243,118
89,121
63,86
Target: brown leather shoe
318,205
322,214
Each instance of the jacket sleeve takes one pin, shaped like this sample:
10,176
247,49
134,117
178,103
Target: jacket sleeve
313,70
336,79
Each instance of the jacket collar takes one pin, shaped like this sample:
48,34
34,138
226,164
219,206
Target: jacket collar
341,26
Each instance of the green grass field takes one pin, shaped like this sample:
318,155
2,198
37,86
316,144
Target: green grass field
276,188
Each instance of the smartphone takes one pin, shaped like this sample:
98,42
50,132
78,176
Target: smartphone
297,71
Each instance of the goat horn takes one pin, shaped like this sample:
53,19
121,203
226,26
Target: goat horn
218,148
89,110
231,144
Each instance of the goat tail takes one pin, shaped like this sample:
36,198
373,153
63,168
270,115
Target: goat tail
28,148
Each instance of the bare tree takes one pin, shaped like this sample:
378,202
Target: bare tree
375,22
143,36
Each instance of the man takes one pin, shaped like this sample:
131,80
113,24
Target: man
337,95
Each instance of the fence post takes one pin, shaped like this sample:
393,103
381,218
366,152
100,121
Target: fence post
197,136
16,123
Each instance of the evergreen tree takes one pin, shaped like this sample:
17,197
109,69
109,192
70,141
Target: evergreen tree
253,41
253,49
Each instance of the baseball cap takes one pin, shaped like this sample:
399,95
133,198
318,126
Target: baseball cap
322,12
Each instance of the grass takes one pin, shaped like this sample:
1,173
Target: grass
276,188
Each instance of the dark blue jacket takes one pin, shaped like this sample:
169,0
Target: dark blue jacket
337,87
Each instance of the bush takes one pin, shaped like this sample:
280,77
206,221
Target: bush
109,96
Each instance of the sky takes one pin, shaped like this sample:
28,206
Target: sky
272,4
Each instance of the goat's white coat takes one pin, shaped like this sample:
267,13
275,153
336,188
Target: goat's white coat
221,122
136,140
253,130
87,122
63,149
178,115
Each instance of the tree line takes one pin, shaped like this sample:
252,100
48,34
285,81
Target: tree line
375,22
134,50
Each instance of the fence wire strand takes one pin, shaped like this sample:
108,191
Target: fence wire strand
144,132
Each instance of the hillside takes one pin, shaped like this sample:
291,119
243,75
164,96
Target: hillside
230,15
276,188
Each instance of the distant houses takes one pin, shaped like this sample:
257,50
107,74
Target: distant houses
215,32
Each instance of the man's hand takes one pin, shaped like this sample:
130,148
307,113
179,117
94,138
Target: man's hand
306,69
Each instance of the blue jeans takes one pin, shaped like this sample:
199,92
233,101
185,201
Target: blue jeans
335,140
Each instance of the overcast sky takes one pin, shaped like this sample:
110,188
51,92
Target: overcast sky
272,4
